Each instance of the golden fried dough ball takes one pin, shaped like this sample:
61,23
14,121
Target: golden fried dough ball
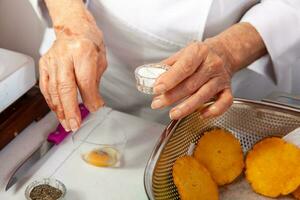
193,180
273,167
221,153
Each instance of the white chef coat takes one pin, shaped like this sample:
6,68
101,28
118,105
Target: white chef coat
141,31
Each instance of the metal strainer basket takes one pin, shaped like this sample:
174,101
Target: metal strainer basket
249,121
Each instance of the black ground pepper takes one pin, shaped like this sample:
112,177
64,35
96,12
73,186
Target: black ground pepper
45,192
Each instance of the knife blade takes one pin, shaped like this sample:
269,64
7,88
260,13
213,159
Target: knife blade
54,138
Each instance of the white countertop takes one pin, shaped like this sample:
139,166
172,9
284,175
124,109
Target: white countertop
63,162
17,76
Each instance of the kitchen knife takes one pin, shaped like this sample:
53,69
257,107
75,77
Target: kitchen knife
54,138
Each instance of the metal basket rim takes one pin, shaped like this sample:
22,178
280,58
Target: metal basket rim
168,131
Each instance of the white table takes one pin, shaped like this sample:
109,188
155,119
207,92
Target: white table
83,181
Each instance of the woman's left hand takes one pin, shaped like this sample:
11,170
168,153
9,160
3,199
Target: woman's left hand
197,75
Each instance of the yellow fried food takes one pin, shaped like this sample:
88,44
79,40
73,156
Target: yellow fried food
296,193
273,167
221,153
193,180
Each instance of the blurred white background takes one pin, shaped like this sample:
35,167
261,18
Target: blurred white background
22,29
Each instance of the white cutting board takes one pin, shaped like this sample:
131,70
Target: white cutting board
85,182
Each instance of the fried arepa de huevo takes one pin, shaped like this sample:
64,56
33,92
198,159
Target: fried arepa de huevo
273,167
193,180
221,153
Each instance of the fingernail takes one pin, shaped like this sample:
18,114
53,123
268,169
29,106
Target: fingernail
175,114
93,108
208,114
73,124
156,103
159,89
201,117
204,115
64,124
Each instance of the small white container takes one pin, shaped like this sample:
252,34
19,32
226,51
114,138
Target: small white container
146,76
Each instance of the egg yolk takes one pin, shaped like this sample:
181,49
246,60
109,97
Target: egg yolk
103,157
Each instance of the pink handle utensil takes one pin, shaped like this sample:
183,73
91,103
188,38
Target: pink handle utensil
60,133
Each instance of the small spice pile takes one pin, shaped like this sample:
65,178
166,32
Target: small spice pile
45,192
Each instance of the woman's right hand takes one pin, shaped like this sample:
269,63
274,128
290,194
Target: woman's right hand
76,60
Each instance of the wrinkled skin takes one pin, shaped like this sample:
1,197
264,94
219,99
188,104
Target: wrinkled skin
76,60
203,70
197,75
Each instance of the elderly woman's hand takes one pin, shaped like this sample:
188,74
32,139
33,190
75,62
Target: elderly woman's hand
197,75
203,70
75,61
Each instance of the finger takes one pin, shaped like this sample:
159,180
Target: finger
172,59
184,89
186,65
53,92
203,95
101,66
88,77
223,102
101,61
67,91
44,82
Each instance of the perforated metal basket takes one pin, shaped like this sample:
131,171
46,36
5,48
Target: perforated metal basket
249,121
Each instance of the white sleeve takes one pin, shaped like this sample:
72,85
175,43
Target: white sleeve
278,23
